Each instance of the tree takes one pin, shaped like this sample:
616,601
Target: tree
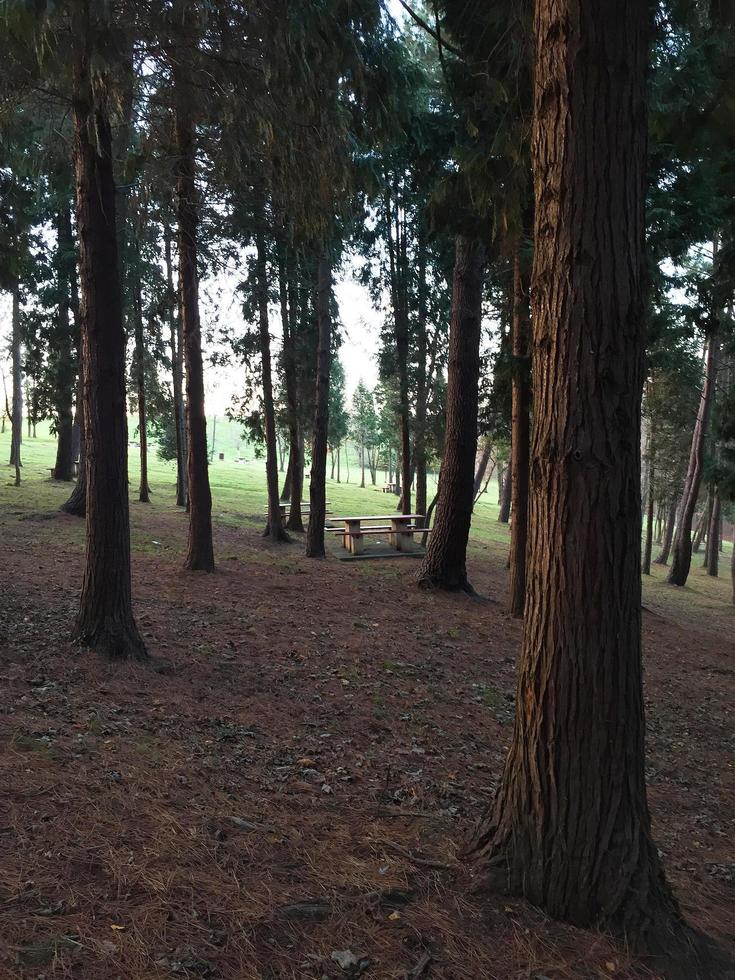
364,425
444,565
520,437
200,550
569,827
274,529
338,415
317,486
105,620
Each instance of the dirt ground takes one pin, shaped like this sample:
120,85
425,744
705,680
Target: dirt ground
288,798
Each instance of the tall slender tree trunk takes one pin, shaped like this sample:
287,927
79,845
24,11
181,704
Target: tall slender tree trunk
105,621
317,487
289,320
143,489
569,828
648,545
16,416
663,556
419,437
398,277
681,559
700,528
76,505
481,470
362,466
506,495
176,346
520,437
444,565
274,528
64,372
200,551
714,536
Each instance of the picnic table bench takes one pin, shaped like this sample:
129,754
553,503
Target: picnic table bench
400,527
390,488
285,505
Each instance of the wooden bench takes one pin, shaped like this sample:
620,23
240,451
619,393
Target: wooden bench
400,529
390,488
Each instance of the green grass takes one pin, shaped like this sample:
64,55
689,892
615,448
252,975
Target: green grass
239,499
238,489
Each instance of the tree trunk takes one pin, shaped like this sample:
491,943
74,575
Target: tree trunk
76,505
487,451
506,497
64,368
520,437
105,621
419,436
732,564
16,416
143,490
714,536
339,453
274,528
362,467
398,282
682,550
648,546
501,482
289,319
176,347
663,556
286,492
200,551
444,565
569,828
317,488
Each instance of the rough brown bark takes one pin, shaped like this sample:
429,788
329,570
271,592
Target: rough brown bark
681,558
176,347
105,621
520,438
200,551
444,565
318,485
569,828
663,556
274,527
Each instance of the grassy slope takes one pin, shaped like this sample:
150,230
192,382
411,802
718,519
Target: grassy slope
238,491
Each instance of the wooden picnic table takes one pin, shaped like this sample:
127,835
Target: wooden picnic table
399,527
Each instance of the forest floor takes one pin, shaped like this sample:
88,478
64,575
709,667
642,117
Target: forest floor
288,797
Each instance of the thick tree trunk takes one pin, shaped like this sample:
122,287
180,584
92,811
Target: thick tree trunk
714,536
105,621
444,565
274,528
681,559
16,411
317,488
663,557
200,551
176,346
64,368
569,828
520,438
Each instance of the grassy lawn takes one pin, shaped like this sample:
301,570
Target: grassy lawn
238,492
